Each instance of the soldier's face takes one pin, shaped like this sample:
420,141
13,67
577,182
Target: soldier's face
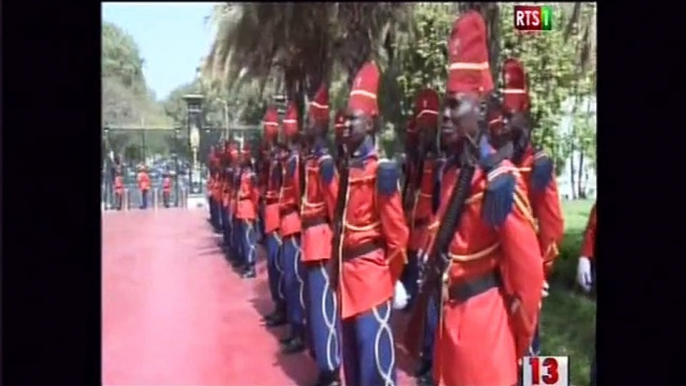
357,125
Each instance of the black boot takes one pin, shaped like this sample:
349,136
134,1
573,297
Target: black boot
328,378
249,272
424,374
294,345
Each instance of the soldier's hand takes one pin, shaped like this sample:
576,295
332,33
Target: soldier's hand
546,287
584,273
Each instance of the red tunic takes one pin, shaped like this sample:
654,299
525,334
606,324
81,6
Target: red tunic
587,248
538,174
421,212
272,220
118,185
480,340
371,216
318,205
226,192
234,183
289,198
143,181
166,185
248,195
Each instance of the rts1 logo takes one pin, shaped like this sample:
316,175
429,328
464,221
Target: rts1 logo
545,371
533,18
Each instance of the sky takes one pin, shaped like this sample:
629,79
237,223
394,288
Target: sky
172,39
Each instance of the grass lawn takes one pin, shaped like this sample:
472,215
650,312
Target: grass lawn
568,320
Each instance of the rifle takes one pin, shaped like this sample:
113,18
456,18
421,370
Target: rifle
337,248
438,262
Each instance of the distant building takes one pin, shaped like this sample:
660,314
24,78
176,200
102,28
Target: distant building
588,173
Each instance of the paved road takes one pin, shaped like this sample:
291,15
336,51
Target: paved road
174,313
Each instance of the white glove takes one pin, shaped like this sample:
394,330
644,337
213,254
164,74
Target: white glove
584,273
546,287
400,296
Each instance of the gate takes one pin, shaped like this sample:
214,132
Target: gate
161,149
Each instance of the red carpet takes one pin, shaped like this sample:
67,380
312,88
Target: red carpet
174,313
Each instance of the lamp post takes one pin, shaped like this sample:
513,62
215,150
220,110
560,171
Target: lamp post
194,121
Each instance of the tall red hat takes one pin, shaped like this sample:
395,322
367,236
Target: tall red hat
469,70
515,93
339,123
319,107
290,121
271,123
363,95
426,108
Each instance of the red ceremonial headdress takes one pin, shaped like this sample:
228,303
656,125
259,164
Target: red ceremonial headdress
339,123
319,107
364,91
515,93
469,70
271,123
290,121
426,109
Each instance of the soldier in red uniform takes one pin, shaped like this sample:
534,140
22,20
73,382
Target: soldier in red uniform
370,242
318,204
143,185
235,240
290,228
118,190
420,183
272,221
166,189
226,179
586,271
246,211
511,130
492,277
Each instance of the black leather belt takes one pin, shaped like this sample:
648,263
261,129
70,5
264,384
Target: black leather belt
286,212
464,291
362,249
313,221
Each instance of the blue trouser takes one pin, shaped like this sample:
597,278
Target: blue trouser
368,348
410,277
275,268
323,319
260,223
294,275
226,226
144,199
236,240
210,207
248,237
430,330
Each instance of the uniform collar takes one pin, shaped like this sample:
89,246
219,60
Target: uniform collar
365,150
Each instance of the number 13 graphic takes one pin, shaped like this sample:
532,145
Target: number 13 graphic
551,375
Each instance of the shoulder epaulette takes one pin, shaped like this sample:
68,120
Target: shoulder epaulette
327,168
387,177
499,195
541,171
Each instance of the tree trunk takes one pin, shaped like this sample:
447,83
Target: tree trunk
581,192
572,174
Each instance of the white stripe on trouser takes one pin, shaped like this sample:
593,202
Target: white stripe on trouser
251,252
384,327
331,341
301,283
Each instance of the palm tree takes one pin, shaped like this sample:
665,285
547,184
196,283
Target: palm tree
298,42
